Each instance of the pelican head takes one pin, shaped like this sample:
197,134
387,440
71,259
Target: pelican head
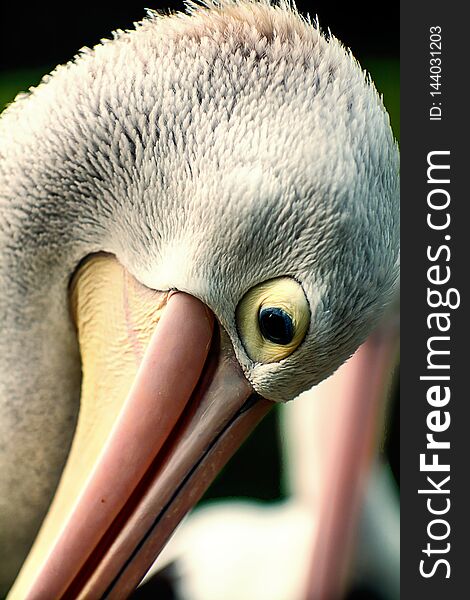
229,173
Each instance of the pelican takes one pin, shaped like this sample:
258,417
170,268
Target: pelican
199,219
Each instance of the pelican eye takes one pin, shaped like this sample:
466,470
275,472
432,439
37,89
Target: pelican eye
272,319
276,325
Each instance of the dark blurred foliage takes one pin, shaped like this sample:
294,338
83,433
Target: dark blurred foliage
35,38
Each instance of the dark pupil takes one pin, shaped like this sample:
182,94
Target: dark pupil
276,325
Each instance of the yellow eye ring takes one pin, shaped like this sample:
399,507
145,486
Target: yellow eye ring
272,319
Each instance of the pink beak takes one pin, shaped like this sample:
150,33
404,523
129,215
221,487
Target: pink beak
189,409
355,398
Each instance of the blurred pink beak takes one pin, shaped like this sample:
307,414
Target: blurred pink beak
354,396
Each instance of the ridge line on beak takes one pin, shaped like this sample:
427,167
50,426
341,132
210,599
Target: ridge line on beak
249,403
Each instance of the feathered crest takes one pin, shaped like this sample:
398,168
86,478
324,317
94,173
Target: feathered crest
269,17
